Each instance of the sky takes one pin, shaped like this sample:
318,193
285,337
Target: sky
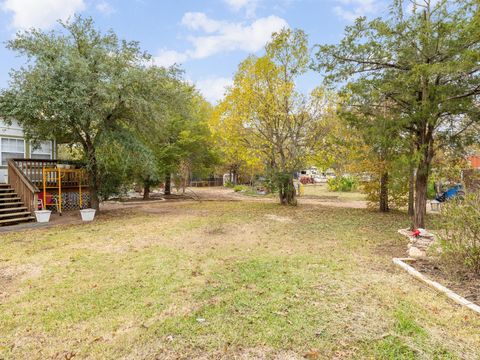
208,38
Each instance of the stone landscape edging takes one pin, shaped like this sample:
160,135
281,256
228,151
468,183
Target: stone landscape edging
401,262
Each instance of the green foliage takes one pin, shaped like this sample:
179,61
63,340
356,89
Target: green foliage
459,234
86,89
269,183
182,143
123,158
397,185
94,92
229,184
342,183
240,188
431,190
420,65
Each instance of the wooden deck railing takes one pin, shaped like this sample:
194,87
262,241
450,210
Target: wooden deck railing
26,190
33,168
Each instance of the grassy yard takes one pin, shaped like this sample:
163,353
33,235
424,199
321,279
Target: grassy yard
321,191
223,280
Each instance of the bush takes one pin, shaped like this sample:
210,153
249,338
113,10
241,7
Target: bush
229,184
397,190
342,184
239,188
459,234
431,190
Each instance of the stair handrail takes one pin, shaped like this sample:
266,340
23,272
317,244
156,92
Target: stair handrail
23,186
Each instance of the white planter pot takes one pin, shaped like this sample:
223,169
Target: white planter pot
43,216
87,214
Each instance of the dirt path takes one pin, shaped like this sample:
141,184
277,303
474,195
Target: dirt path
225,194
111,207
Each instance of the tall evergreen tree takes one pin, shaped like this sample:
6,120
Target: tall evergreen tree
424,59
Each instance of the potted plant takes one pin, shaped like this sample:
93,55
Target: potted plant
87,214
43,216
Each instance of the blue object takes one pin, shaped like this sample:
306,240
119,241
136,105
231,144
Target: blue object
457,190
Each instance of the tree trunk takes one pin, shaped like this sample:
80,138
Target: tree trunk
234,174
421,195
168,184
94,184
384,192
184,184
411,193
286,191
146,191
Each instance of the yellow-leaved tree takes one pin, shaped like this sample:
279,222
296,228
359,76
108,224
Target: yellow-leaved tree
238,160
269,116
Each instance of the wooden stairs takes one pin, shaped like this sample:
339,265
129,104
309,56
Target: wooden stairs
12,209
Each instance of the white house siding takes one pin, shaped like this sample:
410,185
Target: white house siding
13,134
13,130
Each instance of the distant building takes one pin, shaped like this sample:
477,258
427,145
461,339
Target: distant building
14,146
474,161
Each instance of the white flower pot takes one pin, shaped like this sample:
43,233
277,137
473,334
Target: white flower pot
87,214
43,216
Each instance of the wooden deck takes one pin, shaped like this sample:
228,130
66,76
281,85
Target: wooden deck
32,179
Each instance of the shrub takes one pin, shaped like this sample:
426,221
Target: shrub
459,234
397,190
238,188
431,190
342,184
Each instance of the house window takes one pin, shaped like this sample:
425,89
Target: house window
42,150
12,148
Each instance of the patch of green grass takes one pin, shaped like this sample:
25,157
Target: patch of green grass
407,339
393,348
322,191
406,325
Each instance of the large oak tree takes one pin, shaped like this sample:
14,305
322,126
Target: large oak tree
84,88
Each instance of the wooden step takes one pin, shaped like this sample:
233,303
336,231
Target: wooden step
3,185
3,194
9,199
15,203
16,220
15,208
15,214
5,190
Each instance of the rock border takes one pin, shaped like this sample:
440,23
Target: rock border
401,262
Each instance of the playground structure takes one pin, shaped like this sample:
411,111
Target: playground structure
63,187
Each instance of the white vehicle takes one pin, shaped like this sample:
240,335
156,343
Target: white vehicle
320,179
330,174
